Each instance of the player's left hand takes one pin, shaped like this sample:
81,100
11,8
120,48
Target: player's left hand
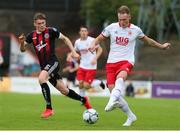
166,46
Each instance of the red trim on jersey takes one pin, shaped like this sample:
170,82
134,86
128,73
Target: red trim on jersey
141,37
129,25
47,41
104,35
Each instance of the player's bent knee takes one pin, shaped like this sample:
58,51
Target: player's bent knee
42,80
62,88
86,85
81,84
110,87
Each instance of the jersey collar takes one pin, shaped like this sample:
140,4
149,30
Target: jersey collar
127,27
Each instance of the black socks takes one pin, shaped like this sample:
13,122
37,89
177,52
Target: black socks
73,95
46,94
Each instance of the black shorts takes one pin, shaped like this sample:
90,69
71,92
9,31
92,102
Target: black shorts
52,68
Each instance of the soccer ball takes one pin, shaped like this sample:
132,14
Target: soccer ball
90,116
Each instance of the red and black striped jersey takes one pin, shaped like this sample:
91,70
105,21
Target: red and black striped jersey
44,44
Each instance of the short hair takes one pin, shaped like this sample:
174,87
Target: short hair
123,9
83,26
39,15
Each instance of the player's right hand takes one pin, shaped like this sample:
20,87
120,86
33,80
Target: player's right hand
75,55
92,47
22,38
166,46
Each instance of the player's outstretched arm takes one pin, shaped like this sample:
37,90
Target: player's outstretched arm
96,42
69,43
154,43
22,39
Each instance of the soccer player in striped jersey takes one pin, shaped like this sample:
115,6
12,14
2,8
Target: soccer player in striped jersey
120,61
43,40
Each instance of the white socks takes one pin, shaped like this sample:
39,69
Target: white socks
116,92
82,92
124,107
116,95
95,83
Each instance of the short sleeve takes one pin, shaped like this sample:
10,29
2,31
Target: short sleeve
140,33
75,46
55,32
29,38
106,31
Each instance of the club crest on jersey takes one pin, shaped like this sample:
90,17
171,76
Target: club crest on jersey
129,33
46,35
122,41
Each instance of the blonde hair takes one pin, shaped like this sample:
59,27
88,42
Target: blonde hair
123,10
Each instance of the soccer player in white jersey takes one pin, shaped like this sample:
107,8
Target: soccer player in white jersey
88,61
120,61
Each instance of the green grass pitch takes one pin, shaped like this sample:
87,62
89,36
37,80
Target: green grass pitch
22,111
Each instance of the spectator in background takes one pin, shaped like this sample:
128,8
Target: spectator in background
71,68
130,90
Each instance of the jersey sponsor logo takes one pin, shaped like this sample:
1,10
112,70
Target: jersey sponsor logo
40,46
84,51
122,41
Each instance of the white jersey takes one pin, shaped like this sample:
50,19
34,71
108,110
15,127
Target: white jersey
86,56
122,42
